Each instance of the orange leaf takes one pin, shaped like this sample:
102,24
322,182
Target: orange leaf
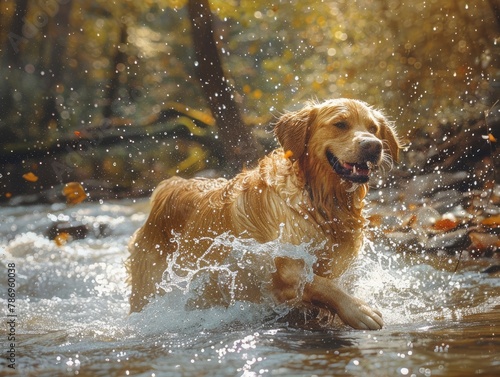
78,134
74,193
490,138
445,225
30,177
492,221
62,238
483,241
288,154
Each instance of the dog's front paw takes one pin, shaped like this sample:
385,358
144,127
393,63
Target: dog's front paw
357,314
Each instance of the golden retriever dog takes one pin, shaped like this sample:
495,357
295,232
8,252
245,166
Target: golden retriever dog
310,190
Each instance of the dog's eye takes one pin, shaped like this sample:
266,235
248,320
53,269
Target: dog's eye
342,125
373,129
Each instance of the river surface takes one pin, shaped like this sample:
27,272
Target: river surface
71,312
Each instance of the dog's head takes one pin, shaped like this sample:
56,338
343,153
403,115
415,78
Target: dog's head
345,136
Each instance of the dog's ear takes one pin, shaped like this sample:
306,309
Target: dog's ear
389,137
292,131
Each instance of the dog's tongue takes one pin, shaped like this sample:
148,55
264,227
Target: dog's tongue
356,169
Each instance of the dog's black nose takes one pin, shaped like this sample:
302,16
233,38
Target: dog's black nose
370,147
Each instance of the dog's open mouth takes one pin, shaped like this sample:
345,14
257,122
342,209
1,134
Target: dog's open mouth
354,172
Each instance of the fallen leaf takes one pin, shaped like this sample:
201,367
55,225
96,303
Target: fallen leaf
288,154
74,193
490,138
483,241
30,177
491,221
62,238
445,225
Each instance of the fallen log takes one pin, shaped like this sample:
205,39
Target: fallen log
170,123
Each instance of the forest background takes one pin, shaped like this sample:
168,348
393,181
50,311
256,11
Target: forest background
119,95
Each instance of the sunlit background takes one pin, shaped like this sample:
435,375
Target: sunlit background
67,66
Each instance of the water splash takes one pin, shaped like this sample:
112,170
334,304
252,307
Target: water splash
404,289
82,284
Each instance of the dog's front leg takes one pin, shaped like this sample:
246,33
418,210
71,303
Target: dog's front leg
288,282
351,310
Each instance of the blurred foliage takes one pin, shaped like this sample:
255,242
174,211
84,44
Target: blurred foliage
424,62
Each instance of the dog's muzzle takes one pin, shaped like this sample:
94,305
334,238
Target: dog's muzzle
369,150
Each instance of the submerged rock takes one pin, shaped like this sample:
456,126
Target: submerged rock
492,270
75,230
429,213
454,240
423,186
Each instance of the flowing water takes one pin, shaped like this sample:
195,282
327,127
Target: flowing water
71,311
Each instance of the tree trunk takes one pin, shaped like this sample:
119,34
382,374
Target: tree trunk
112,87
240,147
58,32
10,62
15,36
495,7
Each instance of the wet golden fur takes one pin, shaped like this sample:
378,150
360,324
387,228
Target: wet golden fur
298,194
